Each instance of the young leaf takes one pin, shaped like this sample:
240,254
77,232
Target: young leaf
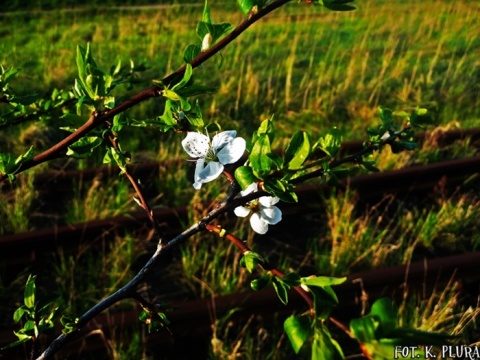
298,150
250,260
322,281
363,329
191,52
259,159
206,14
292,279
17,315
244,176
84,146
324,347
382,309
280,189
331,142
29,294
186,78
420,117
261,283
281,289
248,5
298,328
21,339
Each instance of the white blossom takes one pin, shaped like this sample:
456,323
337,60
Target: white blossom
263,211
211,156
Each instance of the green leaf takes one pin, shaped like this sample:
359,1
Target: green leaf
206,14
195,119
216,31
322,281
298,328
251,259
281,189
167,117
324,347
29,294
17,315
84,146
22,338
261,283
399,146
144,315
244,176
85,66
292,279
387,116
259,159
331,142
383,310
421,117
298,150
277,161
121,159
324,299
187,75
172,95
340,7
281,289
119,122
191,52
363,329
247,5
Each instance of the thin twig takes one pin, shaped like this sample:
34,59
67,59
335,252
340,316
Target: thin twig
136,186
265,265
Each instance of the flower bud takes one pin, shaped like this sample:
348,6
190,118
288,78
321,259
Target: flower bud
207,40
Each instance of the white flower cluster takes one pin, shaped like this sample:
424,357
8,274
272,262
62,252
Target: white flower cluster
211,156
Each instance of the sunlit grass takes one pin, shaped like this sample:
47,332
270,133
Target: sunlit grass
440,309
16,205
99,200
94,271
390,232
336,69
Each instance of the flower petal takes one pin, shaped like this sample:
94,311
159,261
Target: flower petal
253,187
222,139
209,172
259,225
196,145
268,201
241,211
232,151
271,215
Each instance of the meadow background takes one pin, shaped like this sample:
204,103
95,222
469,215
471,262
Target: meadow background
312,69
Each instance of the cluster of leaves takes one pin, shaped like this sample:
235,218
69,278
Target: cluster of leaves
303,328
38,316
301,156
378,332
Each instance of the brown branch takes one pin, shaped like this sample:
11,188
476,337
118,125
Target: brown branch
96,119
217,229
143,202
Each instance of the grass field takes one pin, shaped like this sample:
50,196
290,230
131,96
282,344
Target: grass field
310,68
